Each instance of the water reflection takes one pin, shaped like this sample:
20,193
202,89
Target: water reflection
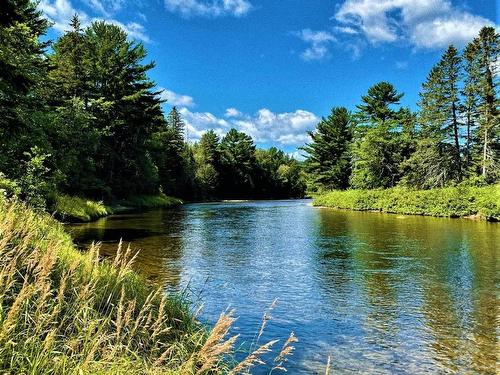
380,293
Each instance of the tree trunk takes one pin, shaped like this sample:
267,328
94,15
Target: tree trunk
457,143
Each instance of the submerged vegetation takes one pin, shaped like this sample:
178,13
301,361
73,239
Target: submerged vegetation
456,201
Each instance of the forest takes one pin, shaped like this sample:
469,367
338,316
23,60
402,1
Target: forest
453,138
81,117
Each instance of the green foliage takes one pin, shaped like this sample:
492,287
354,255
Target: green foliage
76,209
328,161
63,311
34,185
383,139
8,188
150,201
459,201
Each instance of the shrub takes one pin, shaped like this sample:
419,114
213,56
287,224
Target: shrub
457,201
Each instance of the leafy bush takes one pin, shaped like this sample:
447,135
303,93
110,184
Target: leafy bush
150,201
457,201
73,209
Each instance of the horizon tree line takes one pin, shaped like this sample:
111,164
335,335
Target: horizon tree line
453,136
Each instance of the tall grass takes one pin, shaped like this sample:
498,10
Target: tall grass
150,201
67,312
76,209
457,201
68,208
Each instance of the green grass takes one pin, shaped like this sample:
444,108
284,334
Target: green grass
64,311
457,201
150,201
76,209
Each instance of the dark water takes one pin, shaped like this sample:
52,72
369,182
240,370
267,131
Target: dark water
380,294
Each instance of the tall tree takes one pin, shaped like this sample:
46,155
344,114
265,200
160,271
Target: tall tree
450,65
22,70
376,106
470,103
437,159
328,156
376,151
484,51
237,152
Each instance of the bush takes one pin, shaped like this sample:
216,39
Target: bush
150,201
458,201
76,209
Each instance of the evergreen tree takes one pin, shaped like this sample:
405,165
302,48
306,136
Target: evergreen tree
22,70
376,107
376,149
470,104
238,163
328,157
437,158
484,52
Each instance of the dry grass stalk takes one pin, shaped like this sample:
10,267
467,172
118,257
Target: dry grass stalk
286,351
328,365
253,359
265,318
216,345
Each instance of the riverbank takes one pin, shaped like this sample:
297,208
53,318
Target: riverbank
75,209
63,311
459,201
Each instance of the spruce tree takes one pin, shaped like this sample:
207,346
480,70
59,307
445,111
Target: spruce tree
486,47
376,150
328,156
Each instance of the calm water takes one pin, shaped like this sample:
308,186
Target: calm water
380,294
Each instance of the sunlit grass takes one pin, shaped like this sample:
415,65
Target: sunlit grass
457,201
63,311
69,208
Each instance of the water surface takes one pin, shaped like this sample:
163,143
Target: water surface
379,293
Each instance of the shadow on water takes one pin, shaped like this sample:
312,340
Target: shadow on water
379,293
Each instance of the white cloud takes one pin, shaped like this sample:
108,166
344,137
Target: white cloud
233,112
318,44
173,98
105,7
209,8
60,13
265,126
428,24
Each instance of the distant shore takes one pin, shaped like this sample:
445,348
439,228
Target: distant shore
479,203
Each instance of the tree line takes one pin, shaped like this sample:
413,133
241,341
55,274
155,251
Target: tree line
454,136
81,116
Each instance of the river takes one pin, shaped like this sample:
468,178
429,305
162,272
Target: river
378,293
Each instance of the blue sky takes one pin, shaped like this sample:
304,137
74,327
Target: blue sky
273,68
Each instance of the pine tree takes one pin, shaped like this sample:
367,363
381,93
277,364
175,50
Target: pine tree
238,162
376,148
438,148
486,47
470,104
22,69
328,157
376,107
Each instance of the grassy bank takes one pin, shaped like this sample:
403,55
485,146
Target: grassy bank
76,209
66,312
460,201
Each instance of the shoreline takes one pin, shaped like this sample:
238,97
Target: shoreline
472,203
